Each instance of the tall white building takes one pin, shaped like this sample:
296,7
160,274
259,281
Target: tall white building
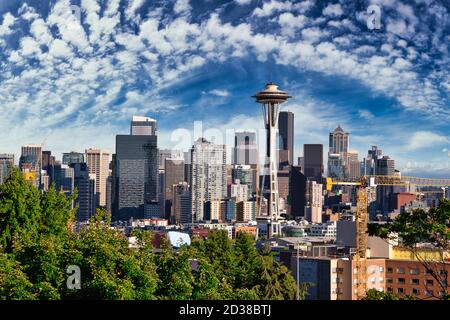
338,153
239,191
208,175
98,164
314,201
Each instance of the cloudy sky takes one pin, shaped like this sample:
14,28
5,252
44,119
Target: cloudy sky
72,73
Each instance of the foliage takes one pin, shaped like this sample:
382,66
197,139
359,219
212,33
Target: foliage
38,243
373,294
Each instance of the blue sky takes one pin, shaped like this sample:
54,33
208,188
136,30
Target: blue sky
76,80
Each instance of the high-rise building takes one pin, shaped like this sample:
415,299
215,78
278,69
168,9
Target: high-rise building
313,162
181,203
98,163
63,178
245,211
354,167
72,157
109,193
47,165
369,163
338,153
286,141
135,175
31,162
174,174
142,126
208,175
84,183
239,191
6,163
246,175
385,166
297,192
314,202
245,151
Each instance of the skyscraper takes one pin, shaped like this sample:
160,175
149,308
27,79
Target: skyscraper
208,175
245,151
98,163
6,163
286,138
135,175
72,157
31,162
338,153
369,163
142,126
85,186
181,202
314,202
354,168
174,174
297,192
313,162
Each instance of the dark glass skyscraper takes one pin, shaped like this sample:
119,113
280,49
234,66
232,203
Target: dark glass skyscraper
85,187
313,162
135,175
286,141
297,192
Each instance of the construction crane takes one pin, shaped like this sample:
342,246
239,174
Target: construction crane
363,185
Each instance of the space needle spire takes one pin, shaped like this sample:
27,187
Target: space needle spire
270,98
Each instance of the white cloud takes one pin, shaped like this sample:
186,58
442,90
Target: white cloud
333,10
366,114
426,139
182,6
243,2
269,8
60,49
220,92
8,22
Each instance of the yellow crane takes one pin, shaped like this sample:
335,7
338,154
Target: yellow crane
363,185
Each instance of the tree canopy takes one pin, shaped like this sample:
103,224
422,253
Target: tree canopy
38,243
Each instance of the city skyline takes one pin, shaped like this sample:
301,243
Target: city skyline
60,81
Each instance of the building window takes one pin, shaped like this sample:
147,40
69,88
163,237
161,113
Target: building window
389,280
389,270
415,281
400,290
429,282
428,293
389,289
372,280
415,291
401,280
414,271
401,270
381,280
381,269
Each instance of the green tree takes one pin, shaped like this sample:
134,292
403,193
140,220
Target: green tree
416,227
14,284
20,212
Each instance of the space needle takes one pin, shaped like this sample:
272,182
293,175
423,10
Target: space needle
271,98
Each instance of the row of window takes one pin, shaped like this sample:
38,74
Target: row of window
415,291
413,271
414,281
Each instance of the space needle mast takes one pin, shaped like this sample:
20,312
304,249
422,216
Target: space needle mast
271,98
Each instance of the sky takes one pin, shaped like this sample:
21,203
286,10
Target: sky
73,73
